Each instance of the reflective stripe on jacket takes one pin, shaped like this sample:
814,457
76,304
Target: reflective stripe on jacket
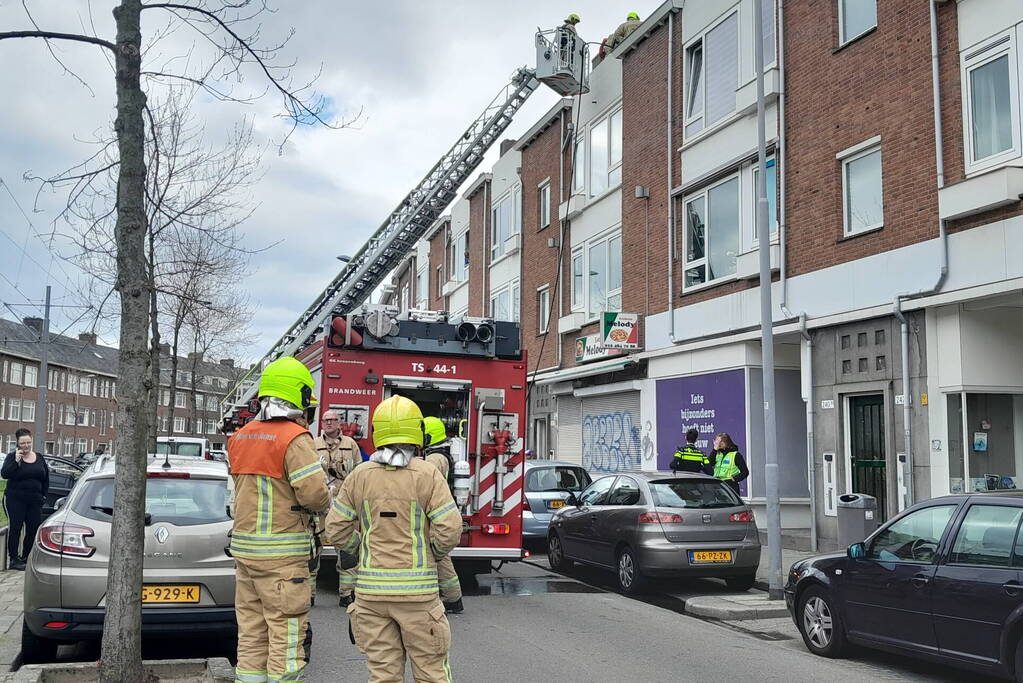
692,453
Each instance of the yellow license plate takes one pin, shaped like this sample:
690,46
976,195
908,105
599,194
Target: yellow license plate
701,556
555,504
170,594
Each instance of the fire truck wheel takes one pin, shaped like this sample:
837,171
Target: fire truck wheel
556,554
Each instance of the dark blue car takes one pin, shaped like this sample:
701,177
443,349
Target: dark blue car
942,581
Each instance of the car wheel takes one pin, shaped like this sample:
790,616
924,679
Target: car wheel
556,554
630,579
820,624
36,650
741,583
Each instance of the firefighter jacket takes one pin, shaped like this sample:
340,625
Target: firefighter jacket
278,483
399,520
440,457
340,454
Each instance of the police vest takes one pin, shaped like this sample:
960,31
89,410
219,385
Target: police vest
691,453
724,465
259,447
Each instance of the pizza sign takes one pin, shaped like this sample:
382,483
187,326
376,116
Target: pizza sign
620,330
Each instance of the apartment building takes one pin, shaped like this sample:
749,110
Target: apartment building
82,392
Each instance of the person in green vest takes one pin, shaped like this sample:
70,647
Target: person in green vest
689,458
727,463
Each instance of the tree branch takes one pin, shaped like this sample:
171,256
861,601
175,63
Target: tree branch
59,36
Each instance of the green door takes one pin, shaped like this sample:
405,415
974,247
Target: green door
866,424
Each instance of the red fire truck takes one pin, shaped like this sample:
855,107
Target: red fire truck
470,373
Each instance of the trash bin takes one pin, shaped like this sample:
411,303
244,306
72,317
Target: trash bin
857,518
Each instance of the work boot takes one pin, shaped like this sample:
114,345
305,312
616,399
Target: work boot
454,607
345,600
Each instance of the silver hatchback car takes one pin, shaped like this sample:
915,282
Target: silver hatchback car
658,524
548,483
188,575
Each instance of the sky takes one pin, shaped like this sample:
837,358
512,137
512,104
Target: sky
416,71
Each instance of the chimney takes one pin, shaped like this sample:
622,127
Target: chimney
164,349
36,324
227,362
87,337
195,355
507,145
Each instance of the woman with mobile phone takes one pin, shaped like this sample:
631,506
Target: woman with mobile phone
28,480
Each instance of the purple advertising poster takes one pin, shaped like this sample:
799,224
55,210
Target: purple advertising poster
712,403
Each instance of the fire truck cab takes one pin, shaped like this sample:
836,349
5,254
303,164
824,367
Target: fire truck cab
470,373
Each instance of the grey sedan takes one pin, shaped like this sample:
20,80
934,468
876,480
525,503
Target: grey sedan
658,524
548,483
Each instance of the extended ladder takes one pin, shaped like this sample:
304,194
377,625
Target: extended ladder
406,225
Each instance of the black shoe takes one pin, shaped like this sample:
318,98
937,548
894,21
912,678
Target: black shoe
454,607
18,566
344,601
312,601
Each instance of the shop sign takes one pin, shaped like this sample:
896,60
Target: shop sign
620,330
591,347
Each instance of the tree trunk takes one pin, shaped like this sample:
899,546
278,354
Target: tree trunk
154,352
173,375
122,629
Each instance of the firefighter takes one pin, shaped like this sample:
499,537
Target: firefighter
279,486
630,24
438,453
568,38
339,454
689,458
397,511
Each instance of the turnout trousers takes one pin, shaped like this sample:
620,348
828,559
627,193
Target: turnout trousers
272,606
387,631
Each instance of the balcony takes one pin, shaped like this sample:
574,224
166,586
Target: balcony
981,193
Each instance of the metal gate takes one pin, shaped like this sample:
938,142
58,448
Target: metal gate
611,438
867,440
569,430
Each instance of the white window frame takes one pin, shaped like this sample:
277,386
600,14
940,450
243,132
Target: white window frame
752,240
579,167
1005,43
82,417
613,167
179,425
499,244
405,300
458,262
704,193
180,400
511,289
847,156
701,39
28,410
423,288
842,38
32,370
14,409
582,303
543,308
17,373
578,289
440,278
543,199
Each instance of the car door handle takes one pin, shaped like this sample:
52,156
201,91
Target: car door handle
919,581
593,517
1012,588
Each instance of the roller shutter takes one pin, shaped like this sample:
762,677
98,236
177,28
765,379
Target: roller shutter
569,430
612,433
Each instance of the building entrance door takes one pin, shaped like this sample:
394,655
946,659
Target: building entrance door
867,452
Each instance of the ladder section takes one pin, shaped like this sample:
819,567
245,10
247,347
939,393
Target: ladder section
406,225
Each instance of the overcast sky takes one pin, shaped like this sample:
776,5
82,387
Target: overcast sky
420,71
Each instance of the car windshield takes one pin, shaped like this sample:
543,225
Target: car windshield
190,450
693,493
557,479
182,502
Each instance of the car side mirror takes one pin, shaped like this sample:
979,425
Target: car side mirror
60,503
572,499
856,551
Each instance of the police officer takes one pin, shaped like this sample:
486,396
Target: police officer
339,454
438,453
727,462
689,458
397,511
278,484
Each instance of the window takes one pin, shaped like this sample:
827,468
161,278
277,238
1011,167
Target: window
179,502
578,164
63,380
625,492
200,403
985,537
51,416
113,414
179,424
772,198
767,28
712,233
601,288
11,444
504,223
913,538
84,386
83,446
211,426
406,297
577,279
14,409
856,17
712,75
31,376
596,494
164,397
992,109
102,423
163,424
544,205
440,280
516,298
69,415
693,493
606,154
500,305
83,417
863,198
17,374
180,400
557,479
28,411
458,259
422,289
543,308
184,377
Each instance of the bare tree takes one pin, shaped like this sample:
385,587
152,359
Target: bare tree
230,30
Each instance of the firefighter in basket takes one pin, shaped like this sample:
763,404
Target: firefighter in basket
279,485
397,512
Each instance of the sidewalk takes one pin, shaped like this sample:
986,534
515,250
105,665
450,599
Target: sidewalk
10,620
788,557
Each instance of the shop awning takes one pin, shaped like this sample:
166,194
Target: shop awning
599,368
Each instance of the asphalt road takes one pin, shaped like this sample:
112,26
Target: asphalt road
529,624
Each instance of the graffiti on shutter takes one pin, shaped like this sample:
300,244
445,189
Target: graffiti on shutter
612,438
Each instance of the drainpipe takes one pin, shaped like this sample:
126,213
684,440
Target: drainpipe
806,368
671,175
939,153
780,165
565,140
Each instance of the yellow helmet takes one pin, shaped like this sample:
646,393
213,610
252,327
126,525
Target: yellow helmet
435,429
633,15
288,379
397,420
573,19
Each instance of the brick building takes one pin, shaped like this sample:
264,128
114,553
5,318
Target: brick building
891,235
82,392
